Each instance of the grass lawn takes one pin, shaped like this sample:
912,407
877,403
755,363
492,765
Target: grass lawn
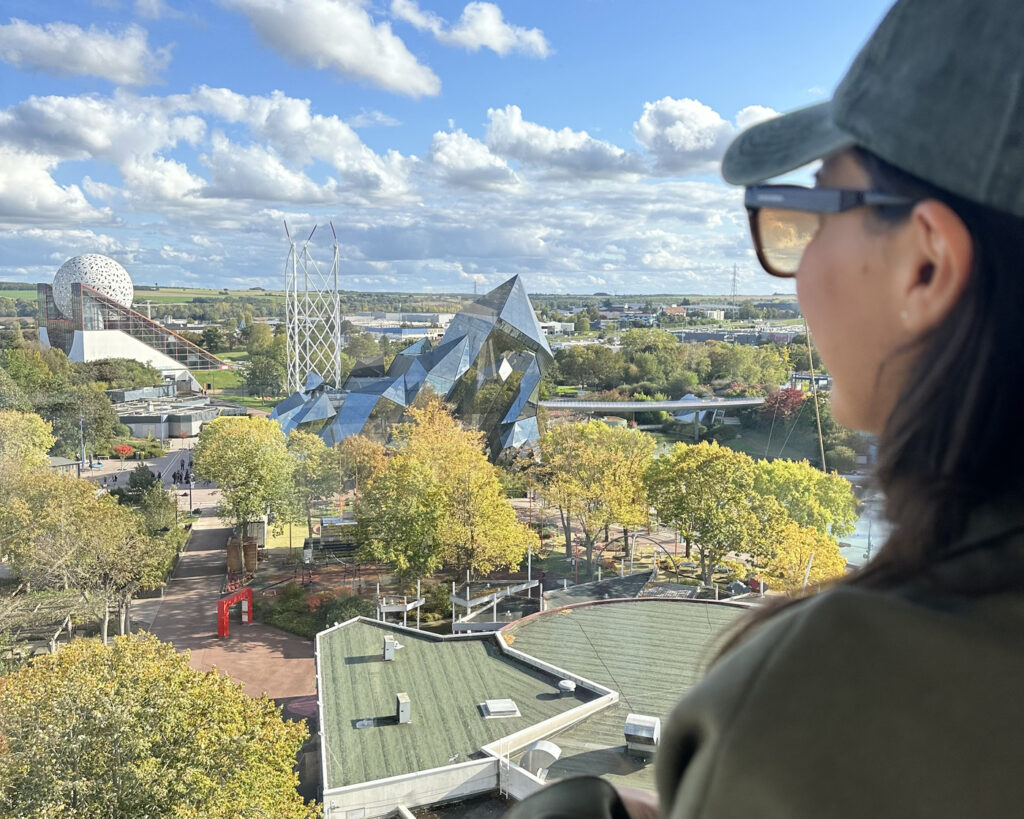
28,294
801,444
219,379
234,355
252,401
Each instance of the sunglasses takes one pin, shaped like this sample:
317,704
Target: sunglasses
785,218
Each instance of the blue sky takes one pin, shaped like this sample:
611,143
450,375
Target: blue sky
575,142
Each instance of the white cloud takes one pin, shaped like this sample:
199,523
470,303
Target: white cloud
155,10
683,135
300,136
370,119
161,178
753,114
481,25
565,151
28,193
339,35
255,172
687,136
468,162
112,128
65,49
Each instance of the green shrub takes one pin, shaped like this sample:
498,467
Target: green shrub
841,459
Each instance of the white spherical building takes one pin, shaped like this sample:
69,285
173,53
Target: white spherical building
94,270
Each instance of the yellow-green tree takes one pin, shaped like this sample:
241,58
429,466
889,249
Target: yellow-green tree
68,537
594,474
706,491
798,549
130,729
820,500
25,438
246,456
438,501
360,459
316,474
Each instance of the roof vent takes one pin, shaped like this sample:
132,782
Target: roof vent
391,645
539,757
566,688
499,709
643,733
403,708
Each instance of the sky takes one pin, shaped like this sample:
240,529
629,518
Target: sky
452,145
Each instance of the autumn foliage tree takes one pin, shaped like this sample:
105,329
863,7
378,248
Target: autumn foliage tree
594,474
100,731
247,457
438,501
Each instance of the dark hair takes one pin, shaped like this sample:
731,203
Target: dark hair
956,436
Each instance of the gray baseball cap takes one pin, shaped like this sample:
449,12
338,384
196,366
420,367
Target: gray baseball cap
937,91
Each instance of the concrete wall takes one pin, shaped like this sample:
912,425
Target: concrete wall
382,796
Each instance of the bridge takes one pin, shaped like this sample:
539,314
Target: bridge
696,406
682,404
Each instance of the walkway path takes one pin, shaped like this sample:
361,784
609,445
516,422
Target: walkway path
264,659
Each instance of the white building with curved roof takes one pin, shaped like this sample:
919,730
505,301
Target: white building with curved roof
87,312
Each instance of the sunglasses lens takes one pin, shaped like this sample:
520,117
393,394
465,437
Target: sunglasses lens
784,236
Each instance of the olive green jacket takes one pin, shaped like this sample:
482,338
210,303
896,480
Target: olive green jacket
857,703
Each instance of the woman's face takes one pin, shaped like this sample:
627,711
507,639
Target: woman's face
852,305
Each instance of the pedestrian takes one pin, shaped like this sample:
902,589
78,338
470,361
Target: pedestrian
897,691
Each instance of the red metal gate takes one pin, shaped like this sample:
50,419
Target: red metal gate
243,596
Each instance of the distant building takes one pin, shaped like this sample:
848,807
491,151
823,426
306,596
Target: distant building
558,328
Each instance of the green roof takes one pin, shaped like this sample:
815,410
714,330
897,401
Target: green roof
650,651
446,680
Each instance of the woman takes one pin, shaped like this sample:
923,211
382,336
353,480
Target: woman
898,692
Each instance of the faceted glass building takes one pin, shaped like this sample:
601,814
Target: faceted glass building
488,365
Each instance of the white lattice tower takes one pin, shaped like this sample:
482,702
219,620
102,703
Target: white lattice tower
313,316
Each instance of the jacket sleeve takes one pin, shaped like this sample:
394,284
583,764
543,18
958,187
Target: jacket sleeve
695,772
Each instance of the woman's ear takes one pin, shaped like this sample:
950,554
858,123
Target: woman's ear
941,260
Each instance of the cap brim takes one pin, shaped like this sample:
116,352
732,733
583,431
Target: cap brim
783,144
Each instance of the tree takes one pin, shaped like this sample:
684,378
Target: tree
213,339
582,323
706,491
260,340
361,346
797,549
140,479
439,501
316,473
360,459
25,438
594,474
11,395
123,451
81,409
246,456
158,508
264,376
131,730
116,373
820,500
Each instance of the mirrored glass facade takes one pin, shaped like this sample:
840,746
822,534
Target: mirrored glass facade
488,365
